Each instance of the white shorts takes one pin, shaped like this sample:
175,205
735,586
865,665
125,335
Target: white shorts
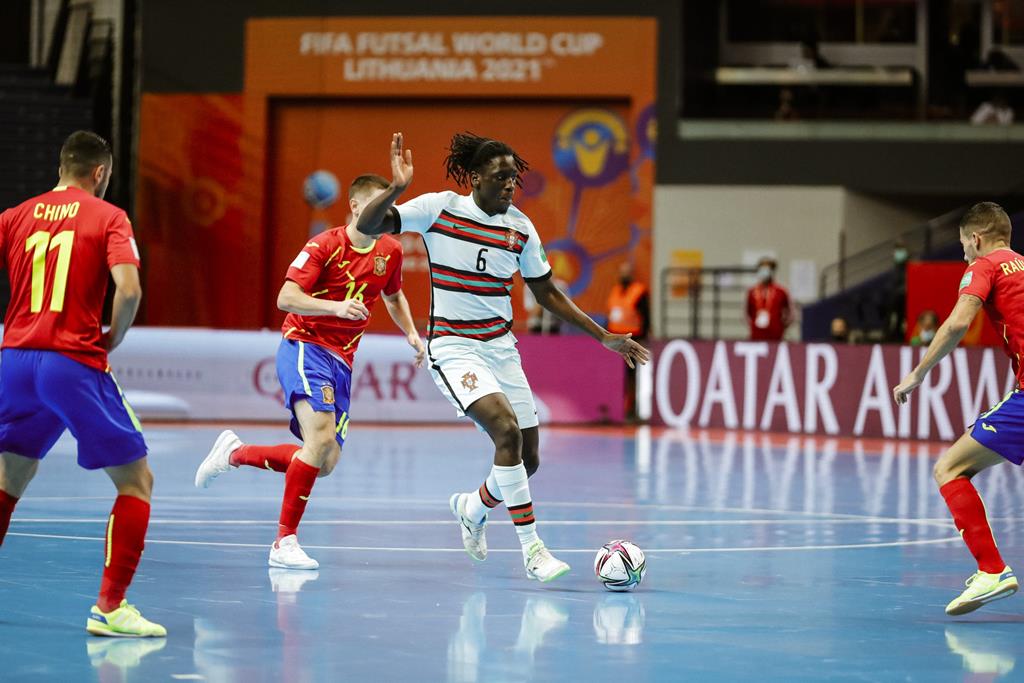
466,370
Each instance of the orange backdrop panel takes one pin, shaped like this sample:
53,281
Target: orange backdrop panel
348,138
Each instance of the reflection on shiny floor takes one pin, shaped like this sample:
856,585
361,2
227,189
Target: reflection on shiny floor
770,558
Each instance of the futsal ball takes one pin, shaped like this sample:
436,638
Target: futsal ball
320,189
620,565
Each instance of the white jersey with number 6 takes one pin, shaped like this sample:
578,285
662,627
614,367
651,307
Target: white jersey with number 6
473,258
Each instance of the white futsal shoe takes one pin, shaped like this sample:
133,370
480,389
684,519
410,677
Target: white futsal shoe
542,565
288,554
218,460
473,538
983,588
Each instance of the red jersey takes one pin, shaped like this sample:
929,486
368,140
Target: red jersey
768,311
59,248
329,267
998,280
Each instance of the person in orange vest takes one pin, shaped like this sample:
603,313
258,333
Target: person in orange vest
769,311
629,313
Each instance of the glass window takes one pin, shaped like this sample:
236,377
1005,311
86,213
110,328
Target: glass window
842,21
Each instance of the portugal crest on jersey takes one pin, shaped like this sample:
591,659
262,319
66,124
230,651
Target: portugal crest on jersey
380,265
510,239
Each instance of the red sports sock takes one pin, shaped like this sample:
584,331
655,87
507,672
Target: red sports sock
970,518
298,482
275,458
126,535
7,503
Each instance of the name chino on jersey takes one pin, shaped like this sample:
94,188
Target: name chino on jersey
330,268
998,280
58,249
473,258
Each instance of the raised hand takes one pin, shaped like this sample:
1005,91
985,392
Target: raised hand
631,352
401,163
352,309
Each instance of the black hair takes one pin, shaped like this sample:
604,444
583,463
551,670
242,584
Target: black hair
469,152
367,181
82,152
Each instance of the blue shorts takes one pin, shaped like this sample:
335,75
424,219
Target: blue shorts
42,393
309,372
1001,427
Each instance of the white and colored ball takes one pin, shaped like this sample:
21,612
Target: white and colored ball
320,189
620,565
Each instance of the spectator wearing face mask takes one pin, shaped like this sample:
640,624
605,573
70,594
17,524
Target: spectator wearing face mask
894,296
840,330
769,311
927,323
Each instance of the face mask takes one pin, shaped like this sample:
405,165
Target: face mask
624,281
838,337
764,273
900,256
927,336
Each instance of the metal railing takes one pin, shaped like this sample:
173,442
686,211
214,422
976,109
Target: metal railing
704,302
921,241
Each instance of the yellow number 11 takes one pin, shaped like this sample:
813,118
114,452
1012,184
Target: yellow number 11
39,243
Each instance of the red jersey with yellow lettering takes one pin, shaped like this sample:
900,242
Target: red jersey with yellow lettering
58,249
329,267
998,280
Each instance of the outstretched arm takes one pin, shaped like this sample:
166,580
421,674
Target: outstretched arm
377,217
398,309
946,339
553,299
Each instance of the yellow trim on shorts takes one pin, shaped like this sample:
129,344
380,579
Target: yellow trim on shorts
997,406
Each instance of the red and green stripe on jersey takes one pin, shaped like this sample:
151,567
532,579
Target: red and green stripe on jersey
481,330
480,284
468,230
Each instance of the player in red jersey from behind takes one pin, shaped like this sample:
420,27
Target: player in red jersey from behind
994,280
59,249
331,287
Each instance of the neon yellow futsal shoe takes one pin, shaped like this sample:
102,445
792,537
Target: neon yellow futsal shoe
123,622
983,588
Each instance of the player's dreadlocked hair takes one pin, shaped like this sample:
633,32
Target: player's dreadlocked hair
469,152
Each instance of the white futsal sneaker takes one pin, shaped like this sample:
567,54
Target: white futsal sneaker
218,460
983,588
473,538
542,565
288,554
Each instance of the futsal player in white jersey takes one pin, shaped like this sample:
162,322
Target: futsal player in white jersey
476,243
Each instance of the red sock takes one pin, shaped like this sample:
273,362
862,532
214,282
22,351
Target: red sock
7,503
970,518
126,535
275,458
298,482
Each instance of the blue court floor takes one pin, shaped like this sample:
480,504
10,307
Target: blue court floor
769,559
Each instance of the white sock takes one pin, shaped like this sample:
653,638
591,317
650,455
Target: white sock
484,499
515,489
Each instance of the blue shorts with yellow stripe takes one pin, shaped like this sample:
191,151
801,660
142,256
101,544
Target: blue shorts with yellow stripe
1001,427
42,393
308,372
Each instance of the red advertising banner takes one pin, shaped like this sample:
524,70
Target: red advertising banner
933,285
821,388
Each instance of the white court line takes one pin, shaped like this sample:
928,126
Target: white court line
433,502
848,546
546,522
